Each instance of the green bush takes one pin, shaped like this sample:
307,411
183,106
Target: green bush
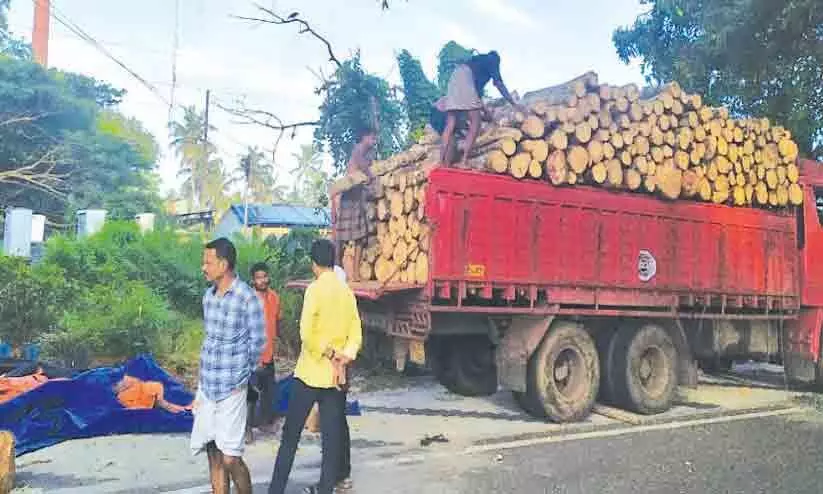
31,300
120,320
133,292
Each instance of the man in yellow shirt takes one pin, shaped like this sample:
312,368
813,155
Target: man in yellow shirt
331,335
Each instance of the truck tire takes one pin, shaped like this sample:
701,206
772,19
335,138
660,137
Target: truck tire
564,373
473,367
605,349
464,364
529,404
643,373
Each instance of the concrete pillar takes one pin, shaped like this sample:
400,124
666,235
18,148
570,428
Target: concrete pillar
17,232
90,221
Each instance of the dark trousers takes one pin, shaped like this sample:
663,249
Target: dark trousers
334,433
261,390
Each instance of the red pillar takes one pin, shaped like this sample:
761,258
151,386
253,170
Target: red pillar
40,36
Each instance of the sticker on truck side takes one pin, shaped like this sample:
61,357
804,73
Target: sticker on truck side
475,271
646,265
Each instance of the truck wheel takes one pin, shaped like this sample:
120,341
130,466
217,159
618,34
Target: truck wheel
564,373
644,369
529,405
605,349
473,367
464,364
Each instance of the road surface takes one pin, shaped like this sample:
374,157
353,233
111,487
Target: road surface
774,454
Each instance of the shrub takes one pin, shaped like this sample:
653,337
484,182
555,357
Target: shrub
119,320
31,300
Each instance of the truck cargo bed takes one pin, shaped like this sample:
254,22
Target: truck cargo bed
494,237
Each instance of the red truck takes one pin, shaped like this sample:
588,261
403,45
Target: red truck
569,295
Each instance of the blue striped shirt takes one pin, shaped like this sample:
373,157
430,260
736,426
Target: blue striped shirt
235,334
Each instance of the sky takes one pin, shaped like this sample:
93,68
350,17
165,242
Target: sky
270,67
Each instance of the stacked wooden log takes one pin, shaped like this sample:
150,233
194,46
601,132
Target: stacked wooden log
7,470
666,143
663,141
398,243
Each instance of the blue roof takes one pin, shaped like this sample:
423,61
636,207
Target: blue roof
284,215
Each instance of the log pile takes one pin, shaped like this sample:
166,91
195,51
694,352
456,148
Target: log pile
397,247
664,142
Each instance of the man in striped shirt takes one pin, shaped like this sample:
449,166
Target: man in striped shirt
233,343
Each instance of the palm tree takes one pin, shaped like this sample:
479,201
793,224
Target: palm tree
311,181
199,168
256,175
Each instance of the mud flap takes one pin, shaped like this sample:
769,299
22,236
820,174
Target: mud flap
518,343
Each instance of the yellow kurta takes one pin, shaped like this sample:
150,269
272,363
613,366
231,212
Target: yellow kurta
329,320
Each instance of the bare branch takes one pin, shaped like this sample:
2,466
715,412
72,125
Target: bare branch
22,119
266,119
293,18
40,174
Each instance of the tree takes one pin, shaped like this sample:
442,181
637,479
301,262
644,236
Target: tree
451,55
311,181
758,57
419,93
347,108
63,146
200,169
256,173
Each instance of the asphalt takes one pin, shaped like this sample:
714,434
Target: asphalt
764,455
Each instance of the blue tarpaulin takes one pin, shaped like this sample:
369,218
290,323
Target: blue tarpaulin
86,406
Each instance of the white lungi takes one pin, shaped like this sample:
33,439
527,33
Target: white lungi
223,422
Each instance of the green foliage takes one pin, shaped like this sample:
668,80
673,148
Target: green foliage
132,292
257,173
164,261
758,57
347,108
310,180
121,319
451,55
31,300
419,94
200,168
61,148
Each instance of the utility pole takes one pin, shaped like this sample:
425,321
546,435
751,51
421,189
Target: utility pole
205,149
40,32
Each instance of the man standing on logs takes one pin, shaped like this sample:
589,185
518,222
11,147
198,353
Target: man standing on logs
352,224
464,99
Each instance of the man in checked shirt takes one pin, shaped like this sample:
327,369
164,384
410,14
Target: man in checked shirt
234,337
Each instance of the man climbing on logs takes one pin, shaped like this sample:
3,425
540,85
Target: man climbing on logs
352,224
463,99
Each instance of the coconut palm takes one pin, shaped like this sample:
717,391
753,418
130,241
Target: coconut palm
199,168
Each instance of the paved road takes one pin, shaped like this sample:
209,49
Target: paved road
764,455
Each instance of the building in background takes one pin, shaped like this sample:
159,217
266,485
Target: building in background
274,219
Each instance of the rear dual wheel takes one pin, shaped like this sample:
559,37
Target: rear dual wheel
465,365
641,362
563,375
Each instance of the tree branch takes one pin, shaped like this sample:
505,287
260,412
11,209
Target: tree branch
293,18
40,174
266,119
